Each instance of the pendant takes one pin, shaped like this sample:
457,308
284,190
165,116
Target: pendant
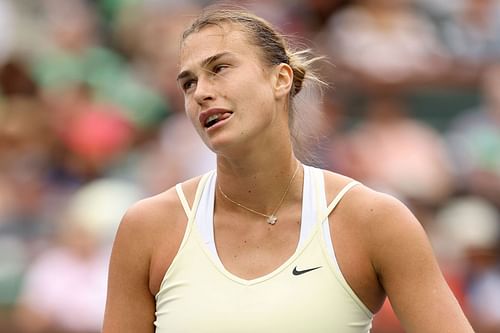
272,219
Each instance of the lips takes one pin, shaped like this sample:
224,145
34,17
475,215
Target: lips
212,116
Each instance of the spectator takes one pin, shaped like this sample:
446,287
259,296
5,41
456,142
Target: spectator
467,233
402,45
64,289
475,142
7,29
395,153
472,34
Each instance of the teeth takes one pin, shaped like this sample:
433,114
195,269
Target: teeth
212,120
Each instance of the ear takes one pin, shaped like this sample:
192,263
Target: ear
283,80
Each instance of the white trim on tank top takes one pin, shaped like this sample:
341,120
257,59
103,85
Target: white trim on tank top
322,217
204,216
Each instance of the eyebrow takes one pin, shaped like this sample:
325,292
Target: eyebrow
204,63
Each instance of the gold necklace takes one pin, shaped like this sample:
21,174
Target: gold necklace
271,219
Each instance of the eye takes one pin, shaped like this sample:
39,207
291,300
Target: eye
219,68
188,85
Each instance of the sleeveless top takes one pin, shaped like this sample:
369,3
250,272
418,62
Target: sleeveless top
307,293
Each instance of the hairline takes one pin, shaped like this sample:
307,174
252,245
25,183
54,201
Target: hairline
228,25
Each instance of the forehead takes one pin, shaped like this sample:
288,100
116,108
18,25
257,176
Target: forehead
215,39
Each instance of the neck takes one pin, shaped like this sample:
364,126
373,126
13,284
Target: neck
258,180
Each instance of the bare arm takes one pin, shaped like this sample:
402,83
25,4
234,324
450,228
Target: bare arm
130,306
147,241
407,269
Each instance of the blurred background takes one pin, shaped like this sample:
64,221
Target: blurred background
91,120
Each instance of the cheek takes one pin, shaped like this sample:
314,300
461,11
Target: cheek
190,111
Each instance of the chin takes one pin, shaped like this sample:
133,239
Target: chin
223,145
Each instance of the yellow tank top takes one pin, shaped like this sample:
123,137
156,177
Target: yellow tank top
307,293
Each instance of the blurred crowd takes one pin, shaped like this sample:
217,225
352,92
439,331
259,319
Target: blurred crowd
91,120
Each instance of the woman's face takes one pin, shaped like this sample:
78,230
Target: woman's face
228,91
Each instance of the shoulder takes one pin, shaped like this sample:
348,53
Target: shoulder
364,203
387,245
378,218
150,234
146,242
157,216
151,212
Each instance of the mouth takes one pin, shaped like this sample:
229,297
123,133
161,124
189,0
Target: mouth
211,119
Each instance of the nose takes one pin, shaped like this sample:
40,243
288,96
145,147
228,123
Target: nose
204,91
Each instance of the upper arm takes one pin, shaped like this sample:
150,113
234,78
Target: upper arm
146,242
130,306
409,273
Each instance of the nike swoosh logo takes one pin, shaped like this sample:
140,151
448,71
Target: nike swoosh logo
297,272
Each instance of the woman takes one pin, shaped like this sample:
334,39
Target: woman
265,244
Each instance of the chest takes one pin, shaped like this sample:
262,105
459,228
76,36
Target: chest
251,253
303,294
249,247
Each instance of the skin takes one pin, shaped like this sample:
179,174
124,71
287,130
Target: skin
380,246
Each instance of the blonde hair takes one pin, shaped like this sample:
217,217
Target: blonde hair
274,46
